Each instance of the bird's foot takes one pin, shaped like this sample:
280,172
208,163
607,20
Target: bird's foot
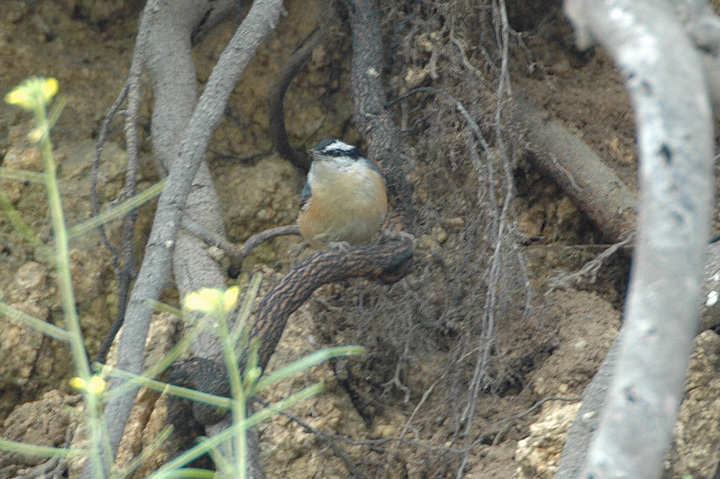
342,246
389,235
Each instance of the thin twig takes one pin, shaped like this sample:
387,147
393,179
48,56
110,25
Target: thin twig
95,166
487,334
236,253
322,435
126,273
588,273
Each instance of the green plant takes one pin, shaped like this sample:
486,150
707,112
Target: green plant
35,95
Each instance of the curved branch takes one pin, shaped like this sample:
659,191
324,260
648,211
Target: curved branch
380,262
664,76
276,110
124,273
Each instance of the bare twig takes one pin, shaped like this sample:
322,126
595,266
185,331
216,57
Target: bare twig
95,166
492,429
237,253
263,236
497,233
328,439
124,273
588,273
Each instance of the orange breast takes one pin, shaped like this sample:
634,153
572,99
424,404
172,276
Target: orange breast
350,208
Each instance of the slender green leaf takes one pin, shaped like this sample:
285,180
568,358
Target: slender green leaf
118,210
42,451
160,386
51,330
22,175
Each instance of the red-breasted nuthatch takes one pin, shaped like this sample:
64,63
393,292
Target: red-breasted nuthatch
344,199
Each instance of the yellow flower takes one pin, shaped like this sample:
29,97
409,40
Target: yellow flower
96,385
33,92
212,300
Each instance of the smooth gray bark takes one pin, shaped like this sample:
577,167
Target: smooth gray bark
171,68
703,27
191,131
665,78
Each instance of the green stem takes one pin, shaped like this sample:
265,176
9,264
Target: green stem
239,402
62,249
64,278
38,324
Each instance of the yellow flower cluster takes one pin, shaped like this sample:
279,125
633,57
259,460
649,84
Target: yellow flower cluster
33,92
96,385
212,300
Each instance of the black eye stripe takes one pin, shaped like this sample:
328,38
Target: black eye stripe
335,152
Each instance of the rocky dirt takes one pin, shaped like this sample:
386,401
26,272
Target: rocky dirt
398,412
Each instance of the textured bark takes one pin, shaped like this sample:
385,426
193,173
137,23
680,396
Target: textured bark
371,117
577,169
372,261
380,262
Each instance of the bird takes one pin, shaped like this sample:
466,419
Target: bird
344,201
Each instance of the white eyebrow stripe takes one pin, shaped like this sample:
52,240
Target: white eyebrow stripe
344,146
339,145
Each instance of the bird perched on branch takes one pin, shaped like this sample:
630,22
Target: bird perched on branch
344,199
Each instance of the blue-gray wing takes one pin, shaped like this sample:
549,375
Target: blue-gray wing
305,197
